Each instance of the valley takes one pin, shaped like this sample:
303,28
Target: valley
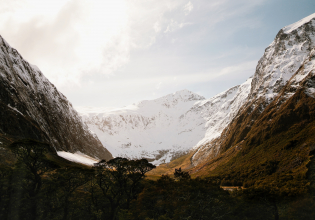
147,159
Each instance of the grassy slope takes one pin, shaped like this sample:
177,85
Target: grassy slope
168,169
275,150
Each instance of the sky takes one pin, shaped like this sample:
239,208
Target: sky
112,53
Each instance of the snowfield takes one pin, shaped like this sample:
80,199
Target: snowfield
164,128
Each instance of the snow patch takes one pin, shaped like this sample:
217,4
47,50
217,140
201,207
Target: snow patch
78,157
13,108
310,92
288,29
35,67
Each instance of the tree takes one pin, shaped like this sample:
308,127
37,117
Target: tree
181,175
194,199
5,190
31,166
119,182
62,186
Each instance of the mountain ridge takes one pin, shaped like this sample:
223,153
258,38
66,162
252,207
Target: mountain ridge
139,130
282,60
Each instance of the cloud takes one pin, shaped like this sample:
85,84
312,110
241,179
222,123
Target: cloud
72,39
158,86
235,71
174,26
188,8
79,39
157,27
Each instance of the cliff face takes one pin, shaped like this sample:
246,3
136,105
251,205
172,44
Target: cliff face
32,107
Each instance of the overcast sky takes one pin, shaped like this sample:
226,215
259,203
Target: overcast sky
112,53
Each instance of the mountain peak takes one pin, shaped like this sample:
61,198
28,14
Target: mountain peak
185,95
288,29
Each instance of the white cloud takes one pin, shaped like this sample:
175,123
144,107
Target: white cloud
243,69
75,38
79,41
188,8
158,86
71,38
174,26
68,39
157,27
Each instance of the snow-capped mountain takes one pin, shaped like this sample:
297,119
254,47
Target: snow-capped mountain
167,127
156,129
32,107
286,63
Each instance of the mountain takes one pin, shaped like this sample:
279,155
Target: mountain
165,128
32,107
157,129
280,73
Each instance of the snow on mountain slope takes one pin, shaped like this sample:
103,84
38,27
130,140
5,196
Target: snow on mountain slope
165,128
78,157
296,25
32,107
148,129
283,58
219,110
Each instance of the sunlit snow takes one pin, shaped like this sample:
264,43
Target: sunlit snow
166,127
77,157
296,25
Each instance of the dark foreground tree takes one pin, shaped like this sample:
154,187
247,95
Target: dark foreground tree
29,170
189,199
119,182
63,187
181,175
5,190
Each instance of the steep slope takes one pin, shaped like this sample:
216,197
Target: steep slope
165,128
277,149
31,107
219,110
289,55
